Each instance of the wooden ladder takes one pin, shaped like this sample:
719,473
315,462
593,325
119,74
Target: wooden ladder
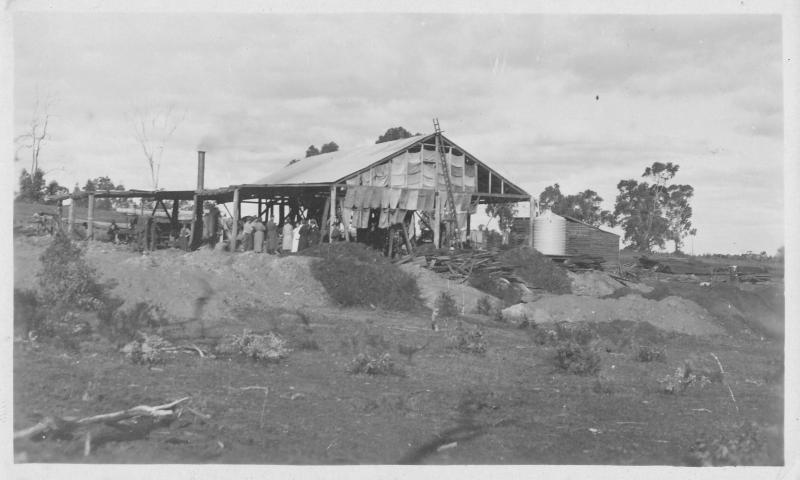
451,219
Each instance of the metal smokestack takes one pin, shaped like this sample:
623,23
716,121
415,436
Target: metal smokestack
201,169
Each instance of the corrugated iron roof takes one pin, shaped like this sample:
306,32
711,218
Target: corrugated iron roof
335,166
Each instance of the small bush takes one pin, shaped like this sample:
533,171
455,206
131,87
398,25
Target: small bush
267,348
124,325
580,333
576,358
649,353
147,349
497,316
746,446
682,379
445,306
484,306
537,270
468,341
66,278
367,364
29,317
352,282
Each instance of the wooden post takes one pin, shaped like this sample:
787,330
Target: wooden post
437,218
175,223
282,213
197,223
405,237
391,238
345,221
71,217
90,218
332,214
325,210
530,222
235,225
60,209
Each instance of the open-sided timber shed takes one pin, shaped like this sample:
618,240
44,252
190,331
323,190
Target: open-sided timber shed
379,183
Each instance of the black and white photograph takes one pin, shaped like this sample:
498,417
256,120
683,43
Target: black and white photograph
394,235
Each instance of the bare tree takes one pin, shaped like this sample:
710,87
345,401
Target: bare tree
36,135
153,128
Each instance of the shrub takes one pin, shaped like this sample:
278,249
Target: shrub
682,379
649,353
267,348
580,333
484,306
576,358
147,349
537,270
352,282
353,250
383,364
124,325
66,278
445,306
746,446
468,341
29,317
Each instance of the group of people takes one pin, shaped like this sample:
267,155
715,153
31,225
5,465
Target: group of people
260,237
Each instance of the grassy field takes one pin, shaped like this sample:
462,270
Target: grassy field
477,391
511,405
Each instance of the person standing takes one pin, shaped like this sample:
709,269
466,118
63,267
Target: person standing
247,234
184,239
272,236
258,235
288,236
304,231
296,238
313,234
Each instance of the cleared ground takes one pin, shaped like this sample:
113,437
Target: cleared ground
510,405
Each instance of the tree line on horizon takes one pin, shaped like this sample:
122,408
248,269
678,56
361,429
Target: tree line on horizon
651,211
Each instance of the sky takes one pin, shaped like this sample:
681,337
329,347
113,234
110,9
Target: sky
580,100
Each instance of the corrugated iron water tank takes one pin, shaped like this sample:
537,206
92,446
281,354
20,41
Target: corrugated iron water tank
550,234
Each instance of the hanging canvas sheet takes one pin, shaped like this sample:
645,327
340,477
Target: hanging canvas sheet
414,180
384,220
381,176
394,197
428,175
385,197
376,197
349,197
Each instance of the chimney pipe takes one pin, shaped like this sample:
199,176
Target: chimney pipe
201,169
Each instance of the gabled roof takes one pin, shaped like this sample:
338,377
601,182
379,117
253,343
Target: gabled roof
335,166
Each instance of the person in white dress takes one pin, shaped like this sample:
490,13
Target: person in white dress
288,237
296,238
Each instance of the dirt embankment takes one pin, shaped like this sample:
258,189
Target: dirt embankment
672,313
432,284
173,280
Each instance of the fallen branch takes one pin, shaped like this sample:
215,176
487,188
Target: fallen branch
730,390
63,425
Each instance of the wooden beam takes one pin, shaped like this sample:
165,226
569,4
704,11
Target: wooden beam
325,210
530,222
405,237
332,215
345,221
174,220
236,214
437,218
90,219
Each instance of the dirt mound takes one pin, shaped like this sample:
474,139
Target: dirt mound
431,284
173,280
672,313
600,284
